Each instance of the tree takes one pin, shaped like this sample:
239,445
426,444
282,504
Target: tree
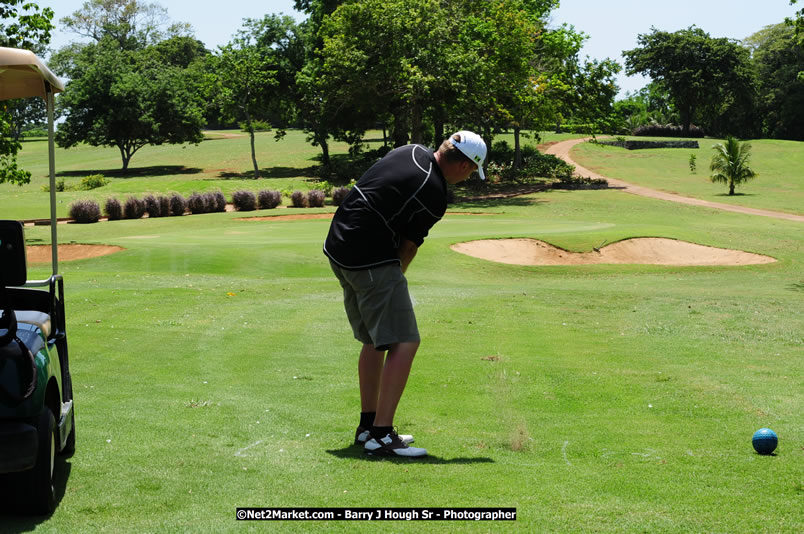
280,40
313,99
379,60
22,25
730,164
649,105
502,66
701,73
132,23
778,59
129,99
240,75
594,89
797,23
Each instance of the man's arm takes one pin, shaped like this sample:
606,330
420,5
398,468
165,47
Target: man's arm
407,251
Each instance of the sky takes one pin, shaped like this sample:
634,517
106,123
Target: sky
611,25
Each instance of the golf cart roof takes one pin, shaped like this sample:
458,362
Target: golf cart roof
23,75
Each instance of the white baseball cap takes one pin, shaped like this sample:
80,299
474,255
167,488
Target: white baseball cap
473,147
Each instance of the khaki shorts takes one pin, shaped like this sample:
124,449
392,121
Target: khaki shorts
378,305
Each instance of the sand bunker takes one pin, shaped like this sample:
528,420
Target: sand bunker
646,250
42,253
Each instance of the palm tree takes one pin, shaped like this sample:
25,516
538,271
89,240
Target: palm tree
730,163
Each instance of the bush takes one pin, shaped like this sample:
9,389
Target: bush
667,130
577,182
216,201
338,194
152,207
60,186
134,208
164,206
315,198
85,211
269,199
258,125
244,201
177,205
36,131
298,199
197,203
113,209
93,181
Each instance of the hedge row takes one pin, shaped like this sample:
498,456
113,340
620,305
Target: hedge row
88,211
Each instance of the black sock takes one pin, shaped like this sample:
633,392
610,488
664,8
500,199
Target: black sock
367,419
380,432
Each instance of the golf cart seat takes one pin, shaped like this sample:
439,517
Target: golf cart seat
38,319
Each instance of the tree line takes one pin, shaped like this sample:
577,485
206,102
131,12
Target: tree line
415,69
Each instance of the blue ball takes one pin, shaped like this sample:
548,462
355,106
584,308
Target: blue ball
765,441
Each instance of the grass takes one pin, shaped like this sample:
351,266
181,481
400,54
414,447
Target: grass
779,185
214,368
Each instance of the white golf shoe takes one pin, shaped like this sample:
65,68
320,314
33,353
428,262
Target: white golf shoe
362,435
392,445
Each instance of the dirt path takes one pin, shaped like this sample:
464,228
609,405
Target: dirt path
562,150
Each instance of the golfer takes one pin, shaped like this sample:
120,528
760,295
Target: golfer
374,236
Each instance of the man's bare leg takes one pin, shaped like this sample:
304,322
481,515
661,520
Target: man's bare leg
369,369
394,377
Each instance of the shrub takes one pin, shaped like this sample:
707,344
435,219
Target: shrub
315,198
547,166
113,209
269,199
93,181
60,187
177,205
134,208
85,211
338,194
216,201
298,199
578,182
667,130
164,206
244,201
35,131
197,203
258,125
152,207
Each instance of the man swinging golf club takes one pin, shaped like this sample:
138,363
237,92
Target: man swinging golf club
374,236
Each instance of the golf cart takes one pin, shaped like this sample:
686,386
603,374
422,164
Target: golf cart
37,419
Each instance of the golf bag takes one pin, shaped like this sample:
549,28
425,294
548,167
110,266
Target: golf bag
17,363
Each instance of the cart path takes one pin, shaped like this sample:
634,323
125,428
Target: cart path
562,150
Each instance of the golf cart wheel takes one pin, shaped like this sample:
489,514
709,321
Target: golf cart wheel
41,495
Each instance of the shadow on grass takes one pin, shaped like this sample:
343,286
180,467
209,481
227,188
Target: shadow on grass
135,172
726,195
796,286
478,203
272,172
356,453
12,503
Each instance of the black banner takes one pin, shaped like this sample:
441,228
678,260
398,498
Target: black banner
376,514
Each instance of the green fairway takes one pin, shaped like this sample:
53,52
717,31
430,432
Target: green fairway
779,186
221,162
214,368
